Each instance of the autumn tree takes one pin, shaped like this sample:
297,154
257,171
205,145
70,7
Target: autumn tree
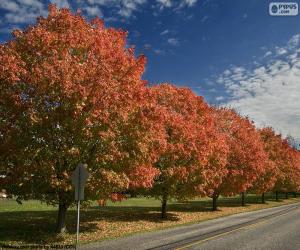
70,92
290,168
293,184
265,181
216,166
185,118
246,158
285,160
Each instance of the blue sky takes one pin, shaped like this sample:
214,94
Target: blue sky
231,52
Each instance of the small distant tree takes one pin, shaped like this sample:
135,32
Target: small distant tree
70,92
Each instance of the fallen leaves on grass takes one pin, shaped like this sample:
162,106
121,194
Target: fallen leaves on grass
116,220
128,222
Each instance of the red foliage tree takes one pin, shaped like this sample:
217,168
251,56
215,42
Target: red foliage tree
246,158
285,160
266,181
70,91
290,168
185,118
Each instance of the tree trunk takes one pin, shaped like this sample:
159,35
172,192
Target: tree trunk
243,198
214,205
286,195
61,218
276,196
164,205
263,198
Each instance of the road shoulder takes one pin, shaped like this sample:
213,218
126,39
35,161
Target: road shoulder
173,237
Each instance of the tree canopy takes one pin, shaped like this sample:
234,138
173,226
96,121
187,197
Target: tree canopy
72,91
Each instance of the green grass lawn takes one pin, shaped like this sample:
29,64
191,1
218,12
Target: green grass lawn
33,222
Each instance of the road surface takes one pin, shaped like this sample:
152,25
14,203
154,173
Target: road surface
273,228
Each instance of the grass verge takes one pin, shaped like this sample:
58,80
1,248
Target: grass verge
34,223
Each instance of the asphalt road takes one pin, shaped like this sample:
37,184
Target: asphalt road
272,228
281,233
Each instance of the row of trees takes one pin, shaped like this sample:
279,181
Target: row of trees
71,91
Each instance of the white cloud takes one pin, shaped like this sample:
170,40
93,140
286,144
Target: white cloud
190,3
281,51
159,51
164,4
101,2
26,11
219,98
269,94
22,11
147,46
129,6
268,53
227,72
61,3
9,6
31,3
93,11
165,32
294,41
173,41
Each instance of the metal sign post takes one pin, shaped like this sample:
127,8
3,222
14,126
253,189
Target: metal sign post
79,177
77,227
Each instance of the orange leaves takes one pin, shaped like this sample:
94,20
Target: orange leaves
142,176
246,158
284,160
105,182
187,129
72,92
11,68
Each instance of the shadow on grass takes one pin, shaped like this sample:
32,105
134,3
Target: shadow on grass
39,226
206,205
27,227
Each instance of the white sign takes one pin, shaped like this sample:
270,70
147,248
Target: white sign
283,9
